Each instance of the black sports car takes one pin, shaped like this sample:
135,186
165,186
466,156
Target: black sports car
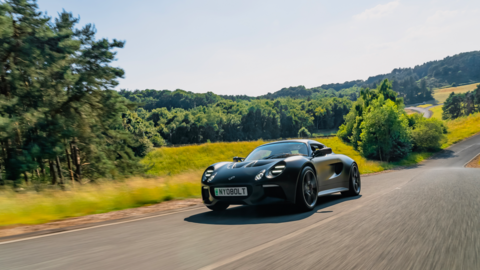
297,171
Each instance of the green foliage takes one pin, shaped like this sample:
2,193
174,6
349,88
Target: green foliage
227,120
377,125
303,133
462,104
385,132
428,134
58,116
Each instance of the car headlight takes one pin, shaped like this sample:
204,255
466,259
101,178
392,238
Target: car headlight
208,174
211,178
277,169
260,175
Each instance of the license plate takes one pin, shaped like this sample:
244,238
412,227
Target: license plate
234,191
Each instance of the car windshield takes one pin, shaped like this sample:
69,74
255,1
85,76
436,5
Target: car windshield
278,150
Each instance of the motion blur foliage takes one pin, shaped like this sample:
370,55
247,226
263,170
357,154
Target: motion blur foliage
58,116
463,104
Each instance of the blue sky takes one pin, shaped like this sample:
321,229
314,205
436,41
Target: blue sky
254,47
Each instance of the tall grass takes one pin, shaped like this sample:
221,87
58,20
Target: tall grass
462,128
177,172
34,208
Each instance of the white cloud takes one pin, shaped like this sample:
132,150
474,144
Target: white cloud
442,15
378,11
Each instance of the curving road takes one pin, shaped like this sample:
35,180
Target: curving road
426,217
425,111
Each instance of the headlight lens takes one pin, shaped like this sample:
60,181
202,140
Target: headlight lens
208,173
277,169
211,178
260,175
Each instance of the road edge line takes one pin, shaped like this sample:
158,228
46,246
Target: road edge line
98,226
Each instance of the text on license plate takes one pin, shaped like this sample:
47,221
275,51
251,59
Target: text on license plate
234,191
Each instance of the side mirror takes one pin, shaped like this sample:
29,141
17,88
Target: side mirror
322,152
238,159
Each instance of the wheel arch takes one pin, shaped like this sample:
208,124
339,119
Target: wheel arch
306,164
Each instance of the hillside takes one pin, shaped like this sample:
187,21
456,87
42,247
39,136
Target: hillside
442,94
413,84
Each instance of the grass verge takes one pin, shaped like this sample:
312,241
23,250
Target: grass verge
177,171
35,208
437,112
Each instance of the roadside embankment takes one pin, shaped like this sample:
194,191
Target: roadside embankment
175,174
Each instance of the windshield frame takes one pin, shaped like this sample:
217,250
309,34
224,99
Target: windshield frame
278,143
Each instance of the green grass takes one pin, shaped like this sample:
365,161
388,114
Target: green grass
425,105
462,128
437,112
177,172
35,208
324,132
440,95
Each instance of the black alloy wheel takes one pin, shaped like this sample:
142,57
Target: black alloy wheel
307,191
355,184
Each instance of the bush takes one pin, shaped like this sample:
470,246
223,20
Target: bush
303,132
385,132
428,134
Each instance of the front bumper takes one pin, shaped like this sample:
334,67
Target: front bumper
256,193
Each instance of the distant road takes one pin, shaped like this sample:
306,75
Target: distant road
426,217
425,111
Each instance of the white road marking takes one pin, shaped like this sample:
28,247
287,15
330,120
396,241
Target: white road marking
295,233
465,165
98,226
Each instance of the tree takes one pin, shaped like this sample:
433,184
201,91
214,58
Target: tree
303,133
57,110
385,132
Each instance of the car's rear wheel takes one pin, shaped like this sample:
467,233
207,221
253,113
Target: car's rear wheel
219,206
307,190
355,184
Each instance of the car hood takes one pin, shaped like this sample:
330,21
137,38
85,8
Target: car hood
232,172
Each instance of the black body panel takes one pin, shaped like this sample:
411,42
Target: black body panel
332,172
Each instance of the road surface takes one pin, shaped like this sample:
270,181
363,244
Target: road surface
425,111
425,217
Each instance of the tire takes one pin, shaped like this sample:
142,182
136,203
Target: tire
355,183
307,190
219,206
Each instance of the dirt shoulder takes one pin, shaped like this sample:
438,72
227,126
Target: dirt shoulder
21,231
474,163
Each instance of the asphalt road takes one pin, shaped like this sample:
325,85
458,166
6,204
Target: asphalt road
425,217
425,111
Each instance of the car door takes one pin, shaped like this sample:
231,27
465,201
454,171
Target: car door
328,168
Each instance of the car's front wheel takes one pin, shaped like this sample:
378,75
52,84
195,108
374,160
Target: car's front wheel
355,184
307,190
219,206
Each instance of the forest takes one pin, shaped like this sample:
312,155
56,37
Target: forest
227,120
60,119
